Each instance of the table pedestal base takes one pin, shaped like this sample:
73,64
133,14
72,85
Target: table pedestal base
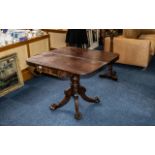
110,74
74,91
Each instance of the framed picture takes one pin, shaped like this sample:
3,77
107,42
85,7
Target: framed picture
10,74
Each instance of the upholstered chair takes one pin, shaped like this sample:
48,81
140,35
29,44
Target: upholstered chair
135,46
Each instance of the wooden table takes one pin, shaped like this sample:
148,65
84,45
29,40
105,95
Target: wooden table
74,62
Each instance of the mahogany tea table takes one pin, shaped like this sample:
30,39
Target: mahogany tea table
74,63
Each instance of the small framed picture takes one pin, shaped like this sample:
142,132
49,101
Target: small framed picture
10,74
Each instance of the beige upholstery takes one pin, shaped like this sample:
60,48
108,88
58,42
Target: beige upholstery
150,37
130,33
134,47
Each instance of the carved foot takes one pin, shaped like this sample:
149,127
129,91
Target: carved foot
97,100
54,106
82,92
68,94
78,116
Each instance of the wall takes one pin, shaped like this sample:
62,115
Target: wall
57,37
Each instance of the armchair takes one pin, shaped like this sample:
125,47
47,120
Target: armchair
135,46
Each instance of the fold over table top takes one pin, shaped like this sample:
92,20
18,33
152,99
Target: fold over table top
73,60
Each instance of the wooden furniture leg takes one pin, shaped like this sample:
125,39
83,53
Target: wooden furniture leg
82,92
65,100
110,74
74,91
77,114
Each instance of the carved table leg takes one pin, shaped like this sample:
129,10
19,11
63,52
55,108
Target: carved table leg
82,92
68,94
110,74
77,115
74,90
75,83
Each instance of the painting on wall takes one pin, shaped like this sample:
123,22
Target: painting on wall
10,74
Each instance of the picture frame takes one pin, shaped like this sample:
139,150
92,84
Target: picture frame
10,74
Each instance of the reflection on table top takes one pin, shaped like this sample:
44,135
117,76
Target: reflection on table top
73,60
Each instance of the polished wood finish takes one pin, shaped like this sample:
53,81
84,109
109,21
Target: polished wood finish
93,55
75,90
72,64
75,62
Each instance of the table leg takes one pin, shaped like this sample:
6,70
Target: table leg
68,94
77,114
110,74
82,92
75,90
